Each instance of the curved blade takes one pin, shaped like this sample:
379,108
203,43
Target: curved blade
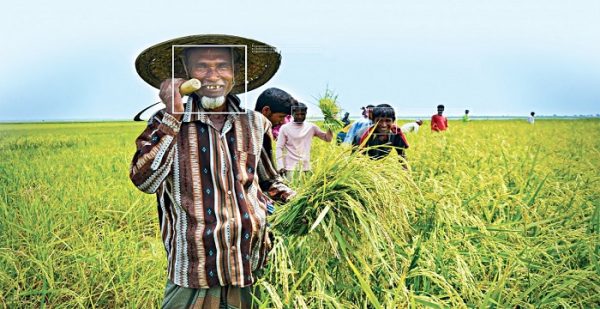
138,117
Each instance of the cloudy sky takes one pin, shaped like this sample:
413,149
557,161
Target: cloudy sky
69,60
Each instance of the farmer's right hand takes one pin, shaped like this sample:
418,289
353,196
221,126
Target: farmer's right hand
171,97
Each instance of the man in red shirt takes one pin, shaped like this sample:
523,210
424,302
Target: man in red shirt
439,122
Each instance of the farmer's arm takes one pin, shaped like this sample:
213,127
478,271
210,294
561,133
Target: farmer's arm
270,181
322,135
400,143
279,149
152,160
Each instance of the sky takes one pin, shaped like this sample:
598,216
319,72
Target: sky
74,60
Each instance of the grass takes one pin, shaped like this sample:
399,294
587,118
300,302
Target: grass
491,214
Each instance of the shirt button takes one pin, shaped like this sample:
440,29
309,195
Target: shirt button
229,192
233,248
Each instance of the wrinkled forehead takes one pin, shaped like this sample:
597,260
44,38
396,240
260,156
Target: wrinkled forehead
200,53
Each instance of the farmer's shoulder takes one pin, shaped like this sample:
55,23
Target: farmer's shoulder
256,120
157,118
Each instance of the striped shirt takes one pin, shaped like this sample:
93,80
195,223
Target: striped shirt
212,211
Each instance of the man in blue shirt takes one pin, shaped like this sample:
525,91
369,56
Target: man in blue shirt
361,124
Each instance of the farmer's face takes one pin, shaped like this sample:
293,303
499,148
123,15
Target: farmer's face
384,125
299,116
274,118
214,68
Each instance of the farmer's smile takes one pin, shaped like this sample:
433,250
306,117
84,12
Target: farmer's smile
213,87
210,87
214,68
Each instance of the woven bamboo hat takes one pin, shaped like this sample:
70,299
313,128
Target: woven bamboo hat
155,64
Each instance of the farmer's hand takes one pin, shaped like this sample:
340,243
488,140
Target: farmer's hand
289,197
170,96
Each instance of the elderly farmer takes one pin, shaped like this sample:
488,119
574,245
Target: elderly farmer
202,159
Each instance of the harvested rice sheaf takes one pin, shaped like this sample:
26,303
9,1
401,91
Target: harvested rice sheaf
347,217
350,192
330,109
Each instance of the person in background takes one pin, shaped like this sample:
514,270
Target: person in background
276,105
359,125
295,140
379,139
465,117
411,126
531,118
276,128
438,121
342,134
346,119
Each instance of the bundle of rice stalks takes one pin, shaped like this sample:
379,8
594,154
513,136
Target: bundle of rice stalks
347,220
350,190
350,195
330,109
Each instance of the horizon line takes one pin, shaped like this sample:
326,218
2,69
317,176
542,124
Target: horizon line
409,117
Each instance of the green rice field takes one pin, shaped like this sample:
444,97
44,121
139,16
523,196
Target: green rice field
490,214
